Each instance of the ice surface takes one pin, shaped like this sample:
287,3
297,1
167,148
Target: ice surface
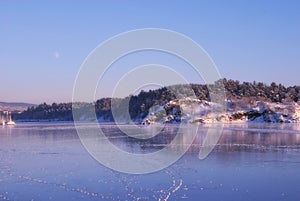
252,161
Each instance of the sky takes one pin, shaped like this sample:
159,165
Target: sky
44,43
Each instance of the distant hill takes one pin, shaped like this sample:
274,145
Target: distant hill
243,96
15,106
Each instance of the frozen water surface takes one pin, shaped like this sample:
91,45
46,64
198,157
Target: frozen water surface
254,161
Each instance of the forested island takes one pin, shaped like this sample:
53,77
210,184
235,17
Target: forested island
249,101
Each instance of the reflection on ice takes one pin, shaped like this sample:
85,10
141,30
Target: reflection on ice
234,137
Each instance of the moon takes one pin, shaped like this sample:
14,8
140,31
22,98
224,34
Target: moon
56,54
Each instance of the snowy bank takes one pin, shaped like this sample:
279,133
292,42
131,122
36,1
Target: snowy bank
189,110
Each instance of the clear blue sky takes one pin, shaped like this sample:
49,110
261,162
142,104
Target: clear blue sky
42,44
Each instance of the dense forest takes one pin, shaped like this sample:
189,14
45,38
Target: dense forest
139,105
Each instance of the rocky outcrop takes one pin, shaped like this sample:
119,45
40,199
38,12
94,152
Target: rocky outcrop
198,111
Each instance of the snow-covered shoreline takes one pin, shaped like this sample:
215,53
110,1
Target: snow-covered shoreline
189,110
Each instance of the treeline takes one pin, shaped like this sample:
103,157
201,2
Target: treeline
55,112
140,104
260,91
